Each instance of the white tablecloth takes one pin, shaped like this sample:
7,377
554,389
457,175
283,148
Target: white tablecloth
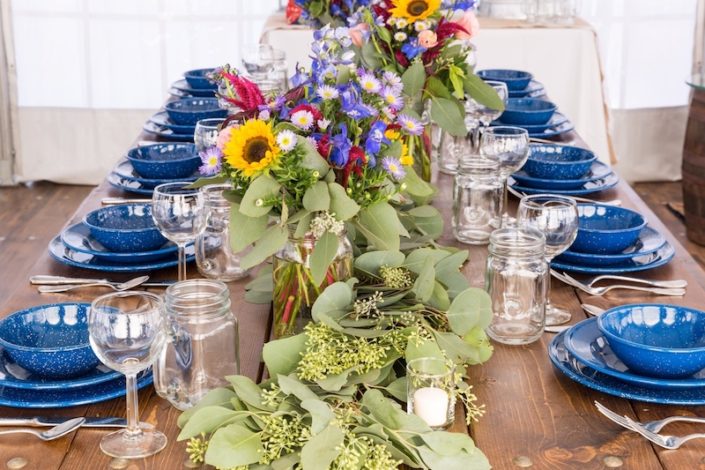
565,59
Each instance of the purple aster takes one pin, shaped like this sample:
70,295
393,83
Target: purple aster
392,97
212,159
392,80
410,125
370,83
393,167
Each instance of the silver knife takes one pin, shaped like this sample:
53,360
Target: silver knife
48,280
39,421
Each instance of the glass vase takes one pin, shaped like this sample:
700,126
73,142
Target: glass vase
294,288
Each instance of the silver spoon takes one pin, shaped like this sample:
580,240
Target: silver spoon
52,433
593,310
117,287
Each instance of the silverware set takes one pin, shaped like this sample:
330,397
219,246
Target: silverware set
650,430
55,284
59,426
614,202
668,288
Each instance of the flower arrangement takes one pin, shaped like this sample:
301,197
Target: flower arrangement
319,13
334,393
325,158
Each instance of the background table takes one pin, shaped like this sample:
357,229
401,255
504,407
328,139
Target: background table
535,416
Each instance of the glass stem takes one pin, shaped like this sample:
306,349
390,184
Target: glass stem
505,203
182,261
133,423
476,138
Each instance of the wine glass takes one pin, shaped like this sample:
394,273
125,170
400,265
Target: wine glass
206,134
509,147
261,60
557,218
126,333
179,212
479,116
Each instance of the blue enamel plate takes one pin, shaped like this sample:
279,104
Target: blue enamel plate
553,131
162,119
65,255
166,133
598,171
642,263
24,398
178,93
586,343
556,120
590,187
125,170
533,90
649,241
14,376
182,85
567,364
78,237
131,186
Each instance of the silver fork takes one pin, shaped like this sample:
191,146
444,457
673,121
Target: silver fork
676,283
666,441
614,202
599,291
653,426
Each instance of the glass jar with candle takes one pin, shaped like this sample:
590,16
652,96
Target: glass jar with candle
202,342
214,256
516,279
477,201
431,391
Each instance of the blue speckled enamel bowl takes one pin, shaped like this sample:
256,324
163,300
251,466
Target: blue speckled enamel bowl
188,111
50,340
527,111
656,340
197,79
606,229
558,162
515,79
165,161
125,228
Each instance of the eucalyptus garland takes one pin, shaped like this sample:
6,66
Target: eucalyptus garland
336,393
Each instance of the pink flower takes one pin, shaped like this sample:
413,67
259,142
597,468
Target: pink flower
428,39
469,22
357,33
223,138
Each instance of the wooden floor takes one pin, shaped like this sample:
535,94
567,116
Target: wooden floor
31,215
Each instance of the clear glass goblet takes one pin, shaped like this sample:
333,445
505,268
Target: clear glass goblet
206,134
126,333
557,218
179,213
478,116
509,147
262,60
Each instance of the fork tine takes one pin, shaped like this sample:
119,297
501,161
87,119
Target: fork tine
612,415
652,436
571,282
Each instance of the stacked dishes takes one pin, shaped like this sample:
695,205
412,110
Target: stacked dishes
46,360
538,116
178,119
520,84
119,238
562,169
613,240
646,352
148,166
194,84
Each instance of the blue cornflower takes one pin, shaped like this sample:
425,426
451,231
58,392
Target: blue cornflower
375,138
340,147
411,49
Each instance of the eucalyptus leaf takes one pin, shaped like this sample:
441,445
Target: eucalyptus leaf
390,414
273,240
334,383
415,260
304,225
423,285
312,160
439,297
247,391
373,260
413,79
209,418
462,461
337,296
244,229
321,414
286,462
419,190
201,182
233,446
470,308
428,348
316,198
482,92
291,385
216,397
452,263
261,189
342,205
424,211
282,356
370,56
258,297
455,282
456,349
447,115
380,225
397,389
323,254
435,87
322,449
448,443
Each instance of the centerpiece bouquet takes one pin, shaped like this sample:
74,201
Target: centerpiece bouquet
316,168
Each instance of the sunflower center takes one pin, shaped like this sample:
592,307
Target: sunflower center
256,149
417,7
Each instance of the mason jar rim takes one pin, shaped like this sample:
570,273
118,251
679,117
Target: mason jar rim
187,297
517,240
531,200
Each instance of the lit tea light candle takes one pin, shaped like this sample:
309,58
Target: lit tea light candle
431,405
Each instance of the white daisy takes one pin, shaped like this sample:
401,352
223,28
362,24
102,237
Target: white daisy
401,23
400,36
302,119
369,83
421,26
327,92
286,140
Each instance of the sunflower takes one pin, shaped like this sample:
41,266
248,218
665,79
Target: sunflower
252,147
414,10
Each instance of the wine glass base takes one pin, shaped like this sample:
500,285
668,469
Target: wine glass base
556,316
121,444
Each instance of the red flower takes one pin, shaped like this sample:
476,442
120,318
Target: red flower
249,97
317,116
447,29
293,12
401,58
324,146
356,159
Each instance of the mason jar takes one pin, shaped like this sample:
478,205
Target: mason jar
202,342
516,280
214,256
477,201
294,290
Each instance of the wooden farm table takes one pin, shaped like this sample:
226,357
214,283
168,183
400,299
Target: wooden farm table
535,416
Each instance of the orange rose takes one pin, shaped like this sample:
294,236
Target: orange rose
428,39
469,22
